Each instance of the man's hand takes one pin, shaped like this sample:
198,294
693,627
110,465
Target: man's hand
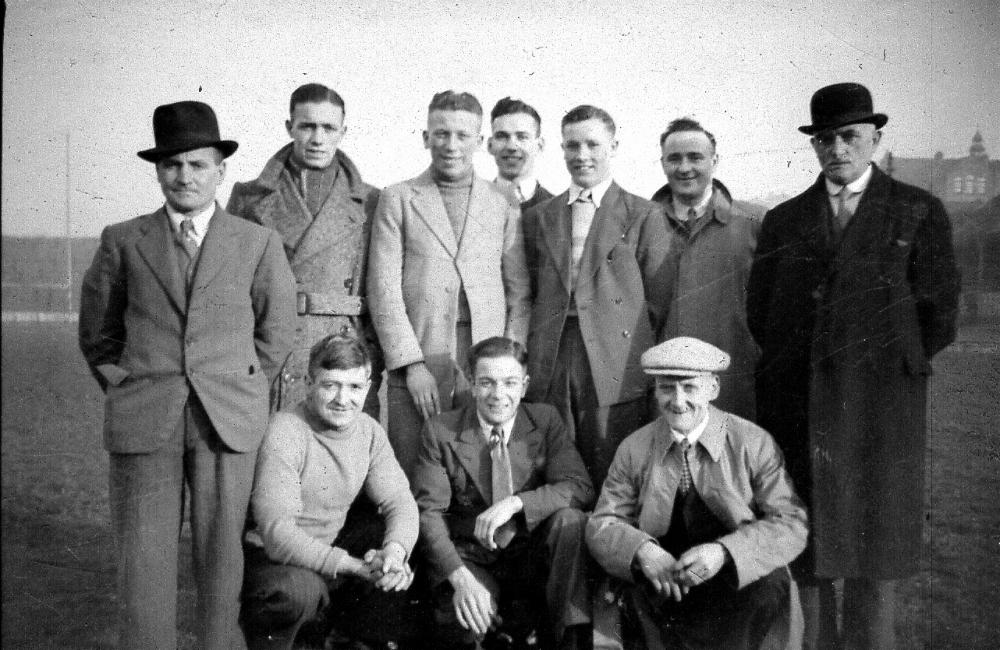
699,564
658,566
492,518
389,568
474,606
355,568
423,389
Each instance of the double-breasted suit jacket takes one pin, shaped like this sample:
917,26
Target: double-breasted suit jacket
328,255
418,266
847,333
453,484
621,292
149,345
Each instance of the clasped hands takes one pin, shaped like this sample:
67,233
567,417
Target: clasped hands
673,578
386,568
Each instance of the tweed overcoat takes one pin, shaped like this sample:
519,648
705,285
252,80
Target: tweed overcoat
149,346
709,295
417,267
622,292
328,255
847,334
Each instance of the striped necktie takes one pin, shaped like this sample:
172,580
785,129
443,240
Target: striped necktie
582,212
686,478
190,245
502,482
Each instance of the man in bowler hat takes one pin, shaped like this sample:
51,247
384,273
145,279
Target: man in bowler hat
185,315
853,290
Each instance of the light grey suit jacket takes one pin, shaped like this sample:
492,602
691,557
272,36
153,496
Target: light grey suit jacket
417,266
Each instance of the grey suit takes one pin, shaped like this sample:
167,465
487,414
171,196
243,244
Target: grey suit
186,373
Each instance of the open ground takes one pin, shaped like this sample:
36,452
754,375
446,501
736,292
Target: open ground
58,568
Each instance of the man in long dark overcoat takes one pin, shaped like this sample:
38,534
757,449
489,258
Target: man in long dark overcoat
853,290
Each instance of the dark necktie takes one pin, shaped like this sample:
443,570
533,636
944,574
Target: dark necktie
502,482
190,245
686,479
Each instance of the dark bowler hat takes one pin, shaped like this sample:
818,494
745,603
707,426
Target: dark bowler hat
840,104
184,126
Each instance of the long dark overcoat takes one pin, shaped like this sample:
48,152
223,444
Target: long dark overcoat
847,333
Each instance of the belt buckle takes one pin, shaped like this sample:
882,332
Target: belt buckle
302,302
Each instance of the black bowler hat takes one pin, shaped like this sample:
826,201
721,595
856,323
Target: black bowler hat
847,103
184,126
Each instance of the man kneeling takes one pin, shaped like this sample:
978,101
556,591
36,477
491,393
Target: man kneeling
304,550
699,517
500,488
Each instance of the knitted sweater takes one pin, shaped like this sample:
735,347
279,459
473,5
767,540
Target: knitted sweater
307,477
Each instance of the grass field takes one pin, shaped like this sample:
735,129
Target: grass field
58,570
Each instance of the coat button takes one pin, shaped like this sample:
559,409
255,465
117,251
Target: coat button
349,283
626,333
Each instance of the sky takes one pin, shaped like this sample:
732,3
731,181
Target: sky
81,79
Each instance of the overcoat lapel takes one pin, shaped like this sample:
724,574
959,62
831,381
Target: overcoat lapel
154,247
556,233
330,225
478,206
219,246
429,205
471,449
294,218
866,228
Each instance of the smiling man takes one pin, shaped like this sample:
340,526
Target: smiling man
853,290
312,194
185,317
500,488
699,518
515,144
447,270
308,550
716,238
601,286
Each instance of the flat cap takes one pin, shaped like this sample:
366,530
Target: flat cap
684,356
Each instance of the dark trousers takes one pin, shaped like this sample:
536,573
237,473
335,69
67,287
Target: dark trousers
553,554
405,421
147,502
597,430
711,616
279,599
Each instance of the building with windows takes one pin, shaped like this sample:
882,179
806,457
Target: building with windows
969,187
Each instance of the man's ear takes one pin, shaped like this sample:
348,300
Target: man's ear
288,127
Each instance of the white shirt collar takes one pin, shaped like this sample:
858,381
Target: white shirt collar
681,210
526,185
855,187
199,221
694,434
597,192
486,428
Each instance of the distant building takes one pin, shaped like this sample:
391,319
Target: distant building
969,188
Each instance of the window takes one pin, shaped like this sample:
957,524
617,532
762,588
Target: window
956,185
981,185
969,180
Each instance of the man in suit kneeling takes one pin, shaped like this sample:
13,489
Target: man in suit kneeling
698,516
500,487
306,548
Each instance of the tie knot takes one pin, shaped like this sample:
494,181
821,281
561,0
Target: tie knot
496,436
187,227
584,196
685,445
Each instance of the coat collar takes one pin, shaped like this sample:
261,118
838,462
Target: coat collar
720,205
712,439
270,176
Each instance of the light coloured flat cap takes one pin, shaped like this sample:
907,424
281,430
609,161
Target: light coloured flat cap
684,356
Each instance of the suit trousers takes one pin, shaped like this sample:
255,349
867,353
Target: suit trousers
596,430
405,421
147,502
554,552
